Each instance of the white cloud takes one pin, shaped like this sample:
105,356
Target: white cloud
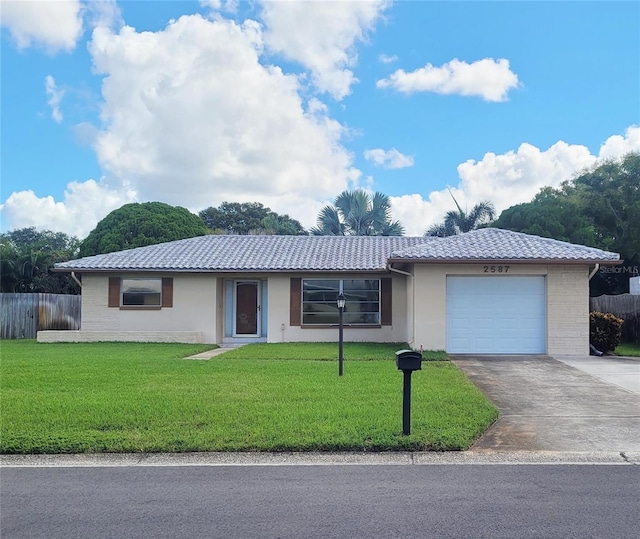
416,214
230,6
508,179
487,78
85,133
83,206
388,158
517,176
618,145
105,13
213,124
55,95
387,59
55,25
322,36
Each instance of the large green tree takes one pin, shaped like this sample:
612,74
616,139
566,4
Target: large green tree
551,214
609,196
141,224
358,213
459,221
249,218
599,207
27,256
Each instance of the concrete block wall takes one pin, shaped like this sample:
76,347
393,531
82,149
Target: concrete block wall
189,337
568,310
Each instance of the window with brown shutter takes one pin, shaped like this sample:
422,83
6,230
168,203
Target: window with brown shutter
140,292
366,306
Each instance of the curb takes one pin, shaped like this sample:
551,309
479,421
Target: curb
484,457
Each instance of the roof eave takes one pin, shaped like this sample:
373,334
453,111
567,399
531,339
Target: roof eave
505,261
224,271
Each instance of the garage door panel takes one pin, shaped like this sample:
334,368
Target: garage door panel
496,314
461,343
460,323
507,324
484,343
483,323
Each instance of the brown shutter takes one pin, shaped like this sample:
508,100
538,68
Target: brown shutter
114,291
386,306
295,301
167,292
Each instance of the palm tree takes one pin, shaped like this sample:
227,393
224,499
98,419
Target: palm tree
358,213
458,222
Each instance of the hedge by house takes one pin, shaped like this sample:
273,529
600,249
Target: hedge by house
605,331
625,306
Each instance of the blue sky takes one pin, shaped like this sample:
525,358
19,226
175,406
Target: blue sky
289,103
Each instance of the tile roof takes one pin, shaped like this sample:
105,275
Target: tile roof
333,253
498,244
253,254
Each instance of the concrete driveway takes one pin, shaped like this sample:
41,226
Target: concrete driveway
549,405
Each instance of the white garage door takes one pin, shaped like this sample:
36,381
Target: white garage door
496,315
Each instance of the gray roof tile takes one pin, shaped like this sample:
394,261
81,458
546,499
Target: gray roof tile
253,253
498,244
331,253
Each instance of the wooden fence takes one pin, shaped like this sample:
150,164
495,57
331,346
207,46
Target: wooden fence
624,306
23,315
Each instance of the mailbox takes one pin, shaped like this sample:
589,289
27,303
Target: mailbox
408,360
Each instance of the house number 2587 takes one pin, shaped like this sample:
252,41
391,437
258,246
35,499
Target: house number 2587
496,269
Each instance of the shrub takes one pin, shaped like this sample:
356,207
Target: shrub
605,330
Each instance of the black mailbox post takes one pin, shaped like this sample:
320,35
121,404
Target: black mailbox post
407,362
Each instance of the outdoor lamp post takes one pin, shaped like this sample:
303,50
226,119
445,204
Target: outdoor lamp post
341,303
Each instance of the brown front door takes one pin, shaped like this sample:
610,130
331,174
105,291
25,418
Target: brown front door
247,308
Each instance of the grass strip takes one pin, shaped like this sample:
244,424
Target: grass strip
628,349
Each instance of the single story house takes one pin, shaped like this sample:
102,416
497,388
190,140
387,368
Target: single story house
489,291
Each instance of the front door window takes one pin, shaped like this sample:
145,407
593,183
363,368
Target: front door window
247,307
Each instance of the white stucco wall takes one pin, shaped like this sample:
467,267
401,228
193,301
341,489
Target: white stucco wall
431,298
419,310
196,304
279,329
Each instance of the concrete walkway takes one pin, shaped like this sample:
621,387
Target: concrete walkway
548,405
623,372
208,354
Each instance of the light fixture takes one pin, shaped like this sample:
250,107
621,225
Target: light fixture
341,303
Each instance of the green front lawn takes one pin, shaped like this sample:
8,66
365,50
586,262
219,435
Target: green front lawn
322,351
124,397
630,350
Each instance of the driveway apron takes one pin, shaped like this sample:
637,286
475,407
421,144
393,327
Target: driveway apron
547,405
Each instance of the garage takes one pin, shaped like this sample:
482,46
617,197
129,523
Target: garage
499,314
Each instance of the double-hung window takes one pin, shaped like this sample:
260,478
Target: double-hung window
319,301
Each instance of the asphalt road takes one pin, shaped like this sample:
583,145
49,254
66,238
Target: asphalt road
430,501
